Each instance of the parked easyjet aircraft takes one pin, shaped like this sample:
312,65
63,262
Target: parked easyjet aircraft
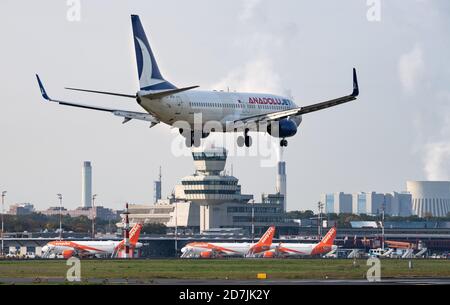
298,249
92,248
230,111
210,250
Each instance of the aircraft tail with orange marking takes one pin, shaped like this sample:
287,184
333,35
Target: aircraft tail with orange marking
264,242
326,244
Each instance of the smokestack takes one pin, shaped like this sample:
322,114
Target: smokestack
157,188
86,185
281,182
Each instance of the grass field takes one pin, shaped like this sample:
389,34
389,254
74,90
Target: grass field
233,269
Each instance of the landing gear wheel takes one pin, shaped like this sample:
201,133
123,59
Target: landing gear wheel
188,142
240,141
193,140
247,138
284,143
248,141
244,140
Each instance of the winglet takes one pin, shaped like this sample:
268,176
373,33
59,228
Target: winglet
41,87
355,92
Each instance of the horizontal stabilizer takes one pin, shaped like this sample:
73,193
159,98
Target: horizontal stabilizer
103,92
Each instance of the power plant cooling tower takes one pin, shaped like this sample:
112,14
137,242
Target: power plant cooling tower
430,198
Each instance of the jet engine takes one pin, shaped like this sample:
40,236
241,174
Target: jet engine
68,253
282,129
269,254
206,254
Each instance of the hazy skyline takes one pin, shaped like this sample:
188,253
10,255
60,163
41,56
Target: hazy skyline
398,130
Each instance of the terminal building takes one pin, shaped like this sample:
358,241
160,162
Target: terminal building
210,198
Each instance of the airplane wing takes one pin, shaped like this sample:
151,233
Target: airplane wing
127,115
303,110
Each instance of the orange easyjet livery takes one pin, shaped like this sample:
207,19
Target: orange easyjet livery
92,248
326,245
210,250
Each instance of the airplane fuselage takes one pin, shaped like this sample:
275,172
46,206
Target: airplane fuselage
225,249
291,249
217,106
91,247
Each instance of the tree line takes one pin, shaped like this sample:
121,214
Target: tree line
344,219
37,222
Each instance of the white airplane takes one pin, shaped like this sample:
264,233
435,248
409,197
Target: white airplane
92,248
220,111
299,249
212,250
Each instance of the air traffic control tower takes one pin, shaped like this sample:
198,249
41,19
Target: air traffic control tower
210,187
212,199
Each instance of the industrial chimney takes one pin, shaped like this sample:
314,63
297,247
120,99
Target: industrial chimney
86,185
281,182
157,188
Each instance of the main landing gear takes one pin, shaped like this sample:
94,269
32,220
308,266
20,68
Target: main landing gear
192,140
244,140
284,143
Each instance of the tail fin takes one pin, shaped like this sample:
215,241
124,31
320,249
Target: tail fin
134,233
264,242
326,244
266,239
329,238
150,77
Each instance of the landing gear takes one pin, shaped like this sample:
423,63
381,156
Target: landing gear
193,139
244,140
284,143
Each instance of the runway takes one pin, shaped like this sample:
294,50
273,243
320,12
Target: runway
224,282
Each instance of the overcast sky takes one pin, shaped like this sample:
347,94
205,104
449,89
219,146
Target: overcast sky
399,129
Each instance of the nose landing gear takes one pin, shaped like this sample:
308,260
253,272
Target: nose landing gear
192,138
284,143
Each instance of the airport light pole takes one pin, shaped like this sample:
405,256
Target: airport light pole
60,197
3,212
319,226
93,215
253,220
382,223
176,228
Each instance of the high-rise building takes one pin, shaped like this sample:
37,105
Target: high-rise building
337,203
86,185
281,186
369,203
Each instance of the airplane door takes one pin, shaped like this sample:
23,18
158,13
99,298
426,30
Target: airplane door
245,107
178,106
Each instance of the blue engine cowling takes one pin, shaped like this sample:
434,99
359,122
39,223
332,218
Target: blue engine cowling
282,129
